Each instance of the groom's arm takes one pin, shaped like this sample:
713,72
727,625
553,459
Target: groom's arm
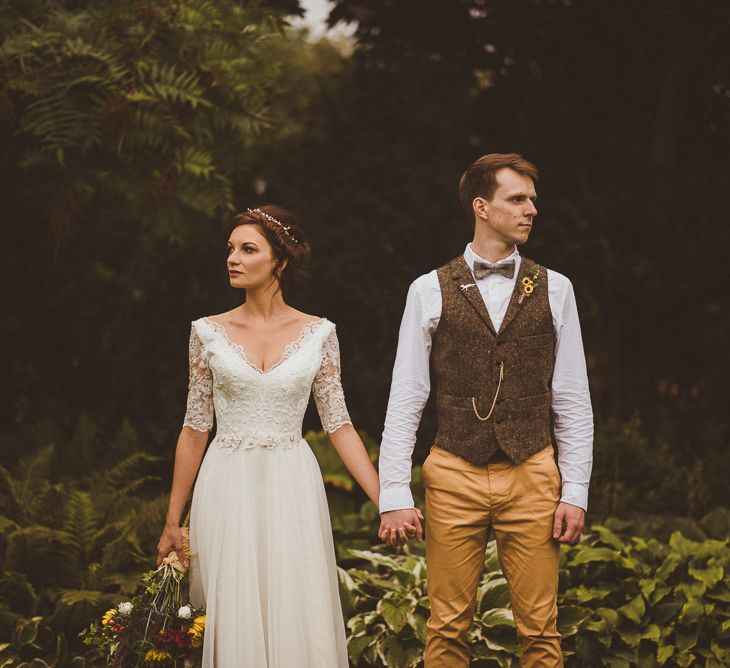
409,392
571,409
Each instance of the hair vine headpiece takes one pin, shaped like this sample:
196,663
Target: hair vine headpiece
286,228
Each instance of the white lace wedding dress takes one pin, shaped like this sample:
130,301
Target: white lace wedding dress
263,560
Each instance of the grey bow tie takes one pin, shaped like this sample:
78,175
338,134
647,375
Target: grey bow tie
484,269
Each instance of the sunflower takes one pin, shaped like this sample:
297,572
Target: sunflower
196,631
154,656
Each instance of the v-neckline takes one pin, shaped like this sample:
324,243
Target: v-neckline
289,349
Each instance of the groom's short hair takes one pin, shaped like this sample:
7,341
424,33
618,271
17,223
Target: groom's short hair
480,178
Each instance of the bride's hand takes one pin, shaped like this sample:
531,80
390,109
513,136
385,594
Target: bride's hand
171,539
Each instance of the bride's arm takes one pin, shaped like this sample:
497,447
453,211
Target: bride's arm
190,446
188,455
351,449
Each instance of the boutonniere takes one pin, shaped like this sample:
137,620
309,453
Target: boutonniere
528,284
465,286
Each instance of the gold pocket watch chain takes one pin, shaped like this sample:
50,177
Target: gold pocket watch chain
496,394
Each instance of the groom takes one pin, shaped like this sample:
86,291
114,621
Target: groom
499,337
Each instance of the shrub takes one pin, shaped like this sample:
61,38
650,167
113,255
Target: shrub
623,601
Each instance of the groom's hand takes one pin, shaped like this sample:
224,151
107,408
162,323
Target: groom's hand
569,521
397,526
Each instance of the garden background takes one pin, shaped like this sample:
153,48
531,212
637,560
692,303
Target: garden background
130,132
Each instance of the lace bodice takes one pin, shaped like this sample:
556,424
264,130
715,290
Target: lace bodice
263,408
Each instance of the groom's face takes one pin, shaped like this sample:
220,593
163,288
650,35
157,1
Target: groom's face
508,215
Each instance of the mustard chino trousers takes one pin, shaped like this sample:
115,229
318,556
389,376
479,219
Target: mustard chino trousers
519,501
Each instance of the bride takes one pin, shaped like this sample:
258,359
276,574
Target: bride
262,555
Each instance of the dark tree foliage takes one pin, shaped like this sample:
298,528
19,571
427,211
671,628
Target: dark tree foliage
108,255
624,108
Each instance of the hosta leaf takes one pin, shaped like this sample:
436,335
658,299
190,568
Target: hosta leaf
26,631
396,653
588,650
584,594
660,592
652,632
664,653
611,617
682,546
634,610
609,537
357,645
663,612
570,617
395,610
721,593
720,653
586,555
686,638
708,576
630,637
418,623
493,594
685,660
647,586
691,612
498,617
669,566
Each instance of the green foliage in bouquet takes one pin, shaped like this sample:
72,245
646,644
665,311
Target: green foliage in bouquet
158,627
624,601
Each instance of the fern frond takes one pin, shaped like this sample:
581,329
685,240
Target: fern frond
73,597
9,501
81,522
49,557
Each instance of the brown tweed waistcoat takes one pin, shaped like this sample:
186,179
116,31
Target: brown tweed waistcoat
465,363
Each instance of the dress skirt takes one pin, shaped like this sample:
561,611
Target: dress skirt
263,560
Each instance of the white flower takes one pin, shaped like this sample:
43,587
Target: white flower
185,612
125,608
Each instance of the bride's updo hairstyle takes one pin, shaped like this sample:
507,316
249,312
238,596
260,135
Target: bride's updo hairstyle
284,232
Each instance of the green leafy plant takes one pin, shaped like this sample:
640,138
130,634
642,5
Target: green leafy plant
624,601
70,549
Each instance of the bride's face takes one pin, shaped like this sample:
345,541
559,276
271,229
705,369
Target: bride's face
250,258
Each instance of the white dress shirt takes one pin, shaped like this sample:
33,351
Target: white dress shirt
411,385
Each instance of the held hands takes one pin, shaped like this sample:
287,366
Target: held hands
171,539
569,521
397,526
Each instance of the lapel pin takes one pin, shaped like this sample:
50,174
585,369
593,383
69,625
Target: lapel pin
465,286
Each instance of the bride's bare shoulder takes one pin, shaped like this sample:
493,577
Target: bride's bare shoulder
221,318
307,318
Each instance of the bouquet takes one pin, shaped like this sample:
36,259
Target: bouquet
158,627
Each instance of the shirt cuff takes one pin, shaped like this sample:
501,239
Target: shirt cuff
397,498
576,494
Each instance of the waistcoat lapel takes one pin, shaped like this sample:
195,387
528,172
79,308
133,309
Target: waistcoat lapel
462,276
514,307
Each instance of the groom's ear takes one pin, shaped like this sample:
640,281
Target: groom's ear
480,207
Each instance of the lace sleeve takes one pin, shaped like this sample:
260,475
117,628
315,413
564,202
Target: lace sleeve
199,413
327,387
